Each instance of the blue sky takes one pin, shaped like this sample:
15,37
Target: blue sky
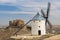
26,9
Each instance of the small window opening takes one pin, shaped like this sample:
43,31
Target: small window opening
39,26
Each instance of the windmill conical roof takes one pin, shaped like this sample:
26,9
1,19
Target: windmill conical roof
38,17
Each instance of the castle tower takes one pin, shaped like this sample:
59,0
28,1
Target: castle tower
38,25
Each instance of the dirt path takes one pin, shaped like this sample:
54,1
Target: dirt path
57,37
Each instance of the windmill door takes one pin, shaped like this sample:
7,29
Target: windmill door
39,32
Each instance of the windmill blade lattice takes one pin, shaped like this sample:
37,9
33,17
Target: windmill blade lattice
46,17
43,13
48,9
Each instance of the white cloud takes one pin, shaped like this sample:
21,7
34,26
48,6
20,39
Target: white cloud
4,0
23,12
7,1
34,6
16,12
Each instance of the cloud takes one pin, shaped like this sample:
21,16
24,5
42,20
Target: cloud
34,5
16,12
30,7
7,1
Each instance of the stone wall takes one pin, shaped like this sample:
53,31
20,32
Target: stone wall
16,23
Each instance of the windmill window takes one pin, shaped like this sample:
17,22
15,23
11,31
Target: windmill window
39,26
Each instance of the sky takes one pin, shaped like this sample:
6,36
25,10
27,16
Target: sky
26,9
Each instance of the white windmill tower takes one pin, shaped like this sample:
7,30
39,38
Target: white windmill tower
38,25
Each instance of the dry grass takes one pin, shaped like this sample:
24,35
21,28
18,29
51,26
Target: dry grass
56,37
35,37
4,34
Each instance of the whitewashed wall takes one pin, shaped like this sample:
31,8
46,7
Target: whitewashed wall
35,27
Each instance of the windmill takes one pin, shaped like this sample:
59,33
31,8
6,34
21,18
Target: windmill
46,16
